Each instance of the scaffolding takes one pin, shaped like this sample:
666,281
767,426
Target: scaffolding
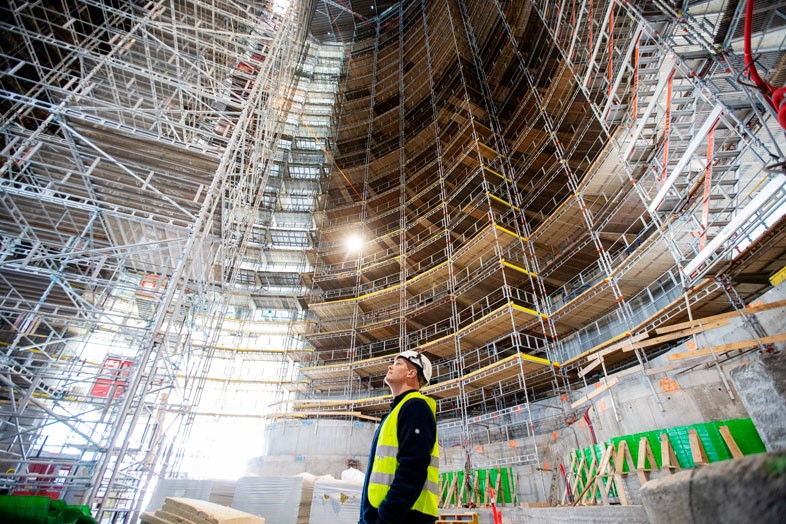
533,183
154,214
523,183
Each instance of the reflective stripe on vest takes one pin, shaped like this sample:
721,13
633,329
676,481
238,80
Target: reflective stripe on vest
385,463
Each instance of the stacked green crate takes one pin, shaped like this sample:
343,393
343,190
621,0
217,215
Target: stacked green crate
504,495
742,431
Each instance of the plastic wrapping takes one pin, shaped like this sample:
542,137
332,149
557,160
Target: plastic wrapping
335,502
190,489
222,492
353,475
275,498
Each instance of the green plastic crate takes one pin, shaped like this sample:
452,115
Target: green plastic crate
742,430
33,509
504,495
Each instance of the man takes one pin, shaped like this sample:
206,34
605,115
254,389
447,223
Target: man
402,479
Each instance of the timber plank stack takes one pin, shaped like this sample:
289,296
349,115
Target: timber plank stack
192,511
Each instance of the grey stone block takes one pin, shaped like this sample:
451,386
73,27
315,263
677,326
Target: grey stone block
761,385
749,489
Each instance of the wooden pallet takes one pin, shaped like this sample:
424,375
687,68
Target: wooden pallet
448,518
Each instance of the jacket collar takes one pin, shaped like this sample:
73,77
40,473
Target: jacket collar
398,398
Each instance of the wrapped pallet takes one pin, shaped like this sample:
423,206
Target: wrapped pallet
182,488
306,490
275,498
335,502
222,492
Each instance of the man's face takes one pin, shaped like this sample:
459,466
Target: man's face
397,371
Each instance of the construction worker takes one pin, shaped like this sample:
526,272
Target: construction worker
402,479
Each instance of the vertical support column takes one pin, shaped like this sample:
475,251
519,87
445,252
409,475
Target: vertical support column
502,162
356,313
595,46
440,172
402,186
462,399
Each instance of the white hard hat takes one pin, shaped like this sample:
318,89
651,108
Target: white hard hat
420,361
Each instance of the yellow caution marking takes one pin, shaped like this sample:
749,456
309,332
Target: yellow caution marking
376,264
528,311
538,360
517,268
427,272
487,168
498,199
482,319
509,232
489,148
477,123
778,277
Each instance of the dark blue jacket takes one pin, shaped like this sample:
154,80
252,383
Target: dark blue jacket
417,432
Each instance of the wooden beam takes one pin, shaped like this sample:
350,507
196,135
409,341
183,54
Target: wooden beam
668,458
697,450
678,334
592,365
732,314
474,495
645,455
462,491
604,488
623,457
598,391
734,346
730,443
576,474
451,490
624,345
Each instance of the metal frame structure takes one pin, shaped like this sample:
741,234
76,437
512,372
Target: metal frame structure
532,182
154,215
535,182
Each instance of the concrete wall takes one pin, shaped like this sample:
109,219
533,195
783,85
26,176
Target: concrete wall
319,447
632,406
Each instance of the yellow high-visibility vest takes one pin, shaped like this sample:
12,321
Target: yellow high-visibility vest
385,463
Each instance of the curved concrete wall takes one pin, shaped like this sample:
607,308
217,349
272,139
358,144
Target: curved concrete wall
319,447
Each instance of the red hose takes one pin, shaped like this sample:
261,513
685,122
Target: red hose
749,64
775,97
763,86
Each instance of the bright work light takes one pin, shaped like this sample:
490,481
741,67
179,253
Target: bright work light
354,242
